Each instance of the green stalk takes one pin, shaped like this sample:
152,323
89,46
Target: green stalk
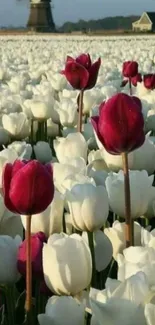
79,127
91,246
10,304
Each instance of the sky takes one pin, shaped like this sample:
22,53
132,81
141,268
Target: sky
15,13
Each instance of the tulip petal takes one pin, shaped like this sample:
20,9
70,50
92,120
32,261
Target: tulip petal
76,75
84,60
93,74
17,165
31,189
7,175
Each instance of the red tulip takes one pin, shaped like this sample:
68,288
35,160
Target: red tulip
37,242
27,187
136,79
149,81
130,69
80,72
120,124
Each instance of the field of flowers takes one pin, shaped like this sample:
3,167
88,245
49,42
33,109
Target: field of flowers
77,186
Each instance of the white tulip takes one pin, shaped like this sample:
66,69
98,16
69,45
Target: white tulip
26,107
10,223
16,124
50,220
116,234
144,157
88,205
89,101
41,110
120,303
62,256
23,149
8,261
140,188
61,172
67,111
150,314
150,213
103,249
73,146
62,311
43,152
114,162
95,159
150,120
4,136
6,156
69,93
52,128
136,259
58,81
99,176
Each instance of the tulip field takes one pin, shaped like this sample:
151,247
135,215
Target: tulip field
77,180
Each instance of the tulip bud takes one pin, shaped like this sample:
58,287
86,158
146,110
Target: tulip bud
62,311
88,205
130,69
149,81
8,252
136,79
37,241
62,256
81,73
28,187
120,125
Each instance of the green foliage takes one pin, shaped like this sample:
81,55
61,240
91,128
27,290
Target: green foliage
108,23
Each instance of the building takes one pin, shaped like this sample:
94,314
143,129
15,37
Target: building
41,18
146,23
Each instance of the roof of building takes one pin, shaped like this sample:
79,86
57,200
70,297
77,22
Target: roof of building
151,16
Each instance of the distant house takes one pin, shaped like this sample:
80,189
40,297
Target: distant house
146,23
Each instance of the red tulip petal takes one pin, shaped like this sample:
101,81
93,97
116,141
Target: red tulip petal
49,168
37,241
137,101
77,75
95,123
121,123
84,60
31,189
17,165
7,176
93,74
101,107
130,69
136,79
69,59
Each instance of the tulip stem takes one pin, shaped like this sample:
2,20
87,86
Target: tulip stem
91,246
10,304
28,303
130,86
129,231
79,128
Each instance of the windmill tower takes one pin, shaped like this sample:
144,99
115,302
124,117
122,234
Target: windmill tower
41,18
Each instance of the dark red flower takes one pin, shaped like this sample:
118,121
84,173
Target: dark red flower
130,69
27,187
120,124
136,79
149,81
80,72
37,242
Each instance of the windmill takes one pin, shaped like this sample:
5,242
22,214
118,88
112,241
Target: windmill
40,17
